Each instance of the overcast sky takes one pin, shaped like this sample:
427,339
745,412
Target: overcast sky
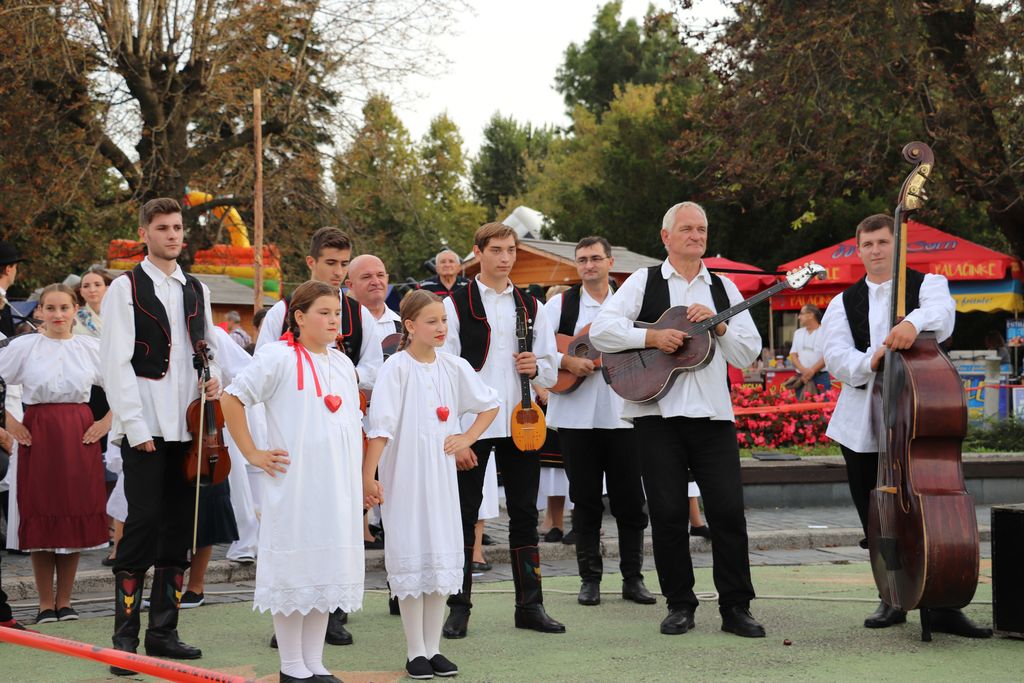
504,57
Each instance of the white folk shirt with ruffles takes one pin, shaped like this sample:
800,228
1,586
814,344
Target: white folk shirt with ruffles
593,405
147,408
851,421
499,368
704,392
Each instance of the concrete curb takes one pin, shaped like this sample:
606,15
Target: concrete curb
225,571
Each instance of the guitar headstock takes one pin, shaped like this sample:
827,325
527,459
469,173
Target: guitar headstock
798,277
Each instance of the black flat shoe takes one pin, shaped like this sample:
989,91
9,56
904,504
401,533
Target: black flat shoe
108,561
590,593
701,531
737,620
442,666
285,678
394,609
326,678
885,616
46,616
678,621
569,538
956,623
457,624
486,539
170,645
482,566
419,668
554,535
634,589
535,618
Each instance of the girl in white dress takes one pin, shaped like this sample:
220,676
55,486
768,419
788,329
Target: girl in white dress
310,559
61,494
414,432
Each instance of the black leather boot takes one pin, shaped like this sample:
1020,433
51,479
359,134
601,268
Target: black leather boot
162,635
885,616
591,566
337,634
127,608
460,604
530,611
955,622
631,561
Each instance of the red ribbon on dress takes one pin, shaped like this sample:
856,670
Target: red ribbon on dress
300,353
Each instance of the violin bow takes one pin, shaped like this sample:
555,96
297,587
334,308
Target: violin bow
201,363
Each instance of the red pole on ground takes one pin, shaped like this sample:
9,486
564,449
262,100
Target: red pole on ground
161,668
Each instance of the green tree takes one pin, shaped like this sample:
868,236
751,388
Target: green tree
499,171
455,215
618,53
811,104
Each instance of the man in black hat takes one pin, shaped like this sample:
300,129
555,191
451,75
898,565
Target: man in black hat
9,260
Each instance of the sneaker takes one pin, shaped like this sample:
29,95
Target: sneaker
67,614
554,535
419,668
442,666
46,616
192,599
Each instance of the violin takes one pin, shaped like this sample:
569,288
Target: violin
207,461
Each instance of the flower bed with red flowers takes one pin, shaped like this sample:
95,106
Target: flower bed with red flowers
775,426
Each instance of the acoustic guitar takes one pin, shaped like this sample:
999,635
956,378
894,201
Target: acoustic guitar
645,375
528,426
578,347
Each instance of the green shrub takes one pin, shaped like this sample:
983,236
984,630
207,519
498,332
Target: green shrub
995,435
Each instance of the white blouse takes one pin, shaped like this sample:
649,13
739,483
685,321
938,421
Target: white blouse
52,370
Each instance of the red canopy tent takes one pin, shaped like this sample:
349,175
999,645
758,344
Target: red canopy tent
929,250
747,284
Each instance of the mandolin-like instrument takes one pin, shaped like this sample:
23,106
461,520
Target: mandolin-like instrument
922,528
645,375
528,426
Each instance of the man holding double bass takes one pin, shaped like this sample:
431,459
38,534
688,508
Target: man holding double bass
690,428
856,335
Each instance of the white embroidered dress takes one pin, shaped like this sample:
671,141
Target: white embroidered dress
424,549
310,542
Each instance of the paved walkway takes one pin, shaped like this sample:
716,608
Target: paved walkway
794,536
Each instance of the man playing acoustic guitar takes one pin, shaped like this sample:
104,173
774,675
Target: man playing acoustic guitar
691,427
482,329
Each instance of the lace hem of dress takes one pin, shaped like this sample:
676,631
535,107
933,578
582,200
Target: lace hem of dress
304,600
413,585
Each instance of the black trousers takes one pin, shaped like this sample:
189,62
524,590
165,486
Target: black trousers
521,475
672,448
861,473
158,530
5,609
593,456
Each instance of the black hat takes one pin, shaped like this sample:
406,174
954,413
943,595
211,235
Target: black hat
9,254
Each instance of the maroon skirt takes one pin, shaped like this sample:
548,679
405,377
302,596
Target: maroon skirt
61,496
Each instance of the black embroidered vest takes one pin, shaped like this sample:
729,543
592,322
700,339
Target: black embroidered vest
855,301
474,331
152,326
656,295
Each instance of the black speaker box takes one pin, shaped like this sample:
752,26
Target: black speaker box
1008,570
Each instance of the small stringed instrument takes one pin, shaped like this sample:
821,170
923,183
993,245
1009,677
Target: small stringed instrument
645,375
578,347
389,344
529,430
922,528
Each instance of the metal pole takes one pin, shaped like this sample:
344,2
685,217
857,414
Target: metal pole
257,203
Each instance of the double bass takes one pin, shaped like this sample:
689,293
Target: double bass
922,529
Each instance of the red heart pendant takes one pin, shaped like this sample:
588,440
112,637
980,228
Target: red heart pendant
333,402
442,413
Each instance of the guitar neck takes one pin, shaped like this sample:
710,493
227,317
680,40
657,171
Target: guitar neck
524,381
715,320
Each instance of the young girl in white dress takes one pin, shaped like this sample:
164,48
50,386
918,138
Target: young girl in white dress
61,492
310,558
414,431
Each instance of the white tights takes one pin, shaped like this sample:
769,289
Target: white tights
300,643
422,620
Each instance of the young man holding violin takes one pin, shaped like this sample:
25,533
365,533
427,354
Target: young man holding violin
482,320
597,444
691,427
153,316
856,334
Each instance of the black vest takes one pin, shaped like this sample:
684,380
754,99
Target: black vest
656,296
474,331
855,301
351,326
571,308
434,285
152,326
